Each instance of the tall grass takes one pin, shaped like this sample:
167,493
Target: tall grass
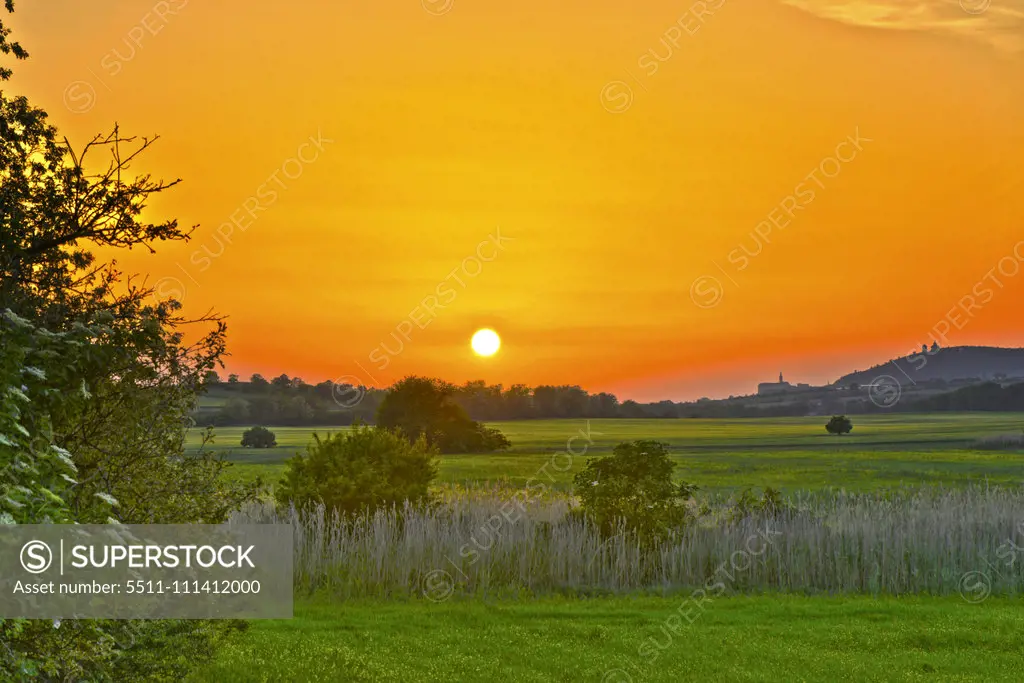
480,543
1000,442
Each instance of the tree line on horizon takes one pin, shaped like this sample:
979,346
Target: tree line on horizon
289,401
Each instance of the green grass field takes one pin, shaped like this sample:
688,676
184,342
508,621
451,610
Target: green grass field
762,638
739,638
883,451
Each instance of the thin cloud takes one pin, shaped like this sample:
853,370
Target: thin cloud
999,23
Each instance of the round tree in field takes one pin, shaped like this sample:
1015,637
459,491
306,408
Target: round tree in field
839,425
258,437
423,407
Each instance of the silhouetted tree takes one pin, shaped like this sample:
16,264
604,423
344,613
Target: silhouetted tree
517,402
258,437
234,411
424,407
839,425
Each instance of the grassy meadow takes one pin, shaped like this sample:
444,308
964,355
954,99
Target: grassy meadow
790,454
761,638
896,560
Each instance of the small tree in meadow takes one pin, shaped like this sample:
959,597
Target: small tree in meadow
363,469
839,425
258,437
634,486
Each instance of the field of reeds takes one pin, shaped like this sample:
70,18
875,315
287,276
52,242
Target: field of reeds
498,542
1001,442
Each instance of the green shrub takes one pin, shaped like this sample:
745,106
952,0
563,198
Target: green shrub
839,425
258,437
633,487
363,469
748,504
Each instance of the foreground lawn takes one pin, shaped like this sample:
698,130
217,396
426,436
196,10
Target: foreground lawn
764,638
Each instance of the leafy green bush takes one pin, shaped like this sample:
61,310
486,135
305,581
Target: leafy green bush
422,407
35,474
36,478
96,384
633,487
839,425
365,468
769,504
258,437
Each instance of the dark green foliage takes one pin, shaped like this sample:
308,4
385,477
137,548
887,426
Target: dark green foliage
96,384
839,425
421,407
770,503
633,486
35,477
167,650
258,437
329,404
985,396
114,651
365,468
288,404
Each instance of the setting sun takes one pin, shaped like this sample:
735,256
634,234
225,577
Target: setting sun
486,342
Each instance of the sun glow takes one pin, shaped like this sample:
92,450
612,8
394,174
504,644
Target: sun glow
486,342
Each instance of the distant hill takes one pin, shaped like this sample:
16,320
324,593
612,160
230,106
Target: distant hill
953,364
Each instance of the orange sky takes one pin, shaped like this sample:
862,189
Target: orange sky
444,121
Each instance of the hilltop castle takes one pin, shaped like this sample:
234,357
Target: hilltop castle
774,387
780,387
